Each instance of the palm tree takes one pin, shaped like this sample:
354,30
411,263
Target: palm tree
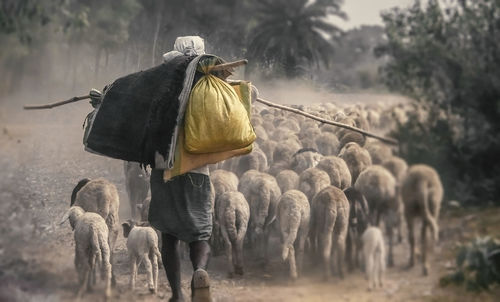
289,33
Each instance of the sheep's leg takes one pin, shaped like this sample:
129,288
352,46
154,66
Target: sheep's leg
390,233
325,242
292,263
411,238
424,248
350,250
239,257
133,271
229,251
340,251
369,267
113,236
149,272
381,269
85,280
154,260
300,253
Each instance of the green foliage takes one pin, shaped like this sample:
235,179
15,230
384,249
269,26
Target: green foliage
448,59
477,265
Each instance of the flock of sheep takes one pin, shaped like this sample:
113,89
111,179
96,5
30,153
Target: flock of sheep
323,190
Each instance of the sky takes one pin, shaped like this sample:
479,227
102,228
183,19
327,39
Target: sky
367,11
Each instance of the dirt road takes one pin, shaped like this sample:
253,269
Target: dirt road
42,158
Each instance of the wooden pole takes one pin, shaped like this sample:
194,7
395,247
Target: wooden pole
317,118
55,104
229,65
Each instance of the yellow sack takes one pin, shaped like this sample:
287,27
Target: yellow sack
185,161
215,118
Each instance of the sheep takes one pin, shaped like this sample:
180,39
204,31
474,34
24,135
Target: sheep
352,137
287,180
329,221
261,134
234,214
337,170
304,159
262,192
356,158
313,180
378,151
358,222
136,184
91,247
254,160
398,168
374,256
327,143
268,148
422,193
285,151
142,246
290,124
378,186
293,218
100,196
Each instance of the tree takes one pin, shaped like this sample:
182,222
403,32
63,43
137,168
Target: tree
290,33
449,59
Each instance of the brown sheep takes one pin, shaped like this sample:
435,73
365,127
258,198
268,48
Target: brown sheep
100,196
313,180
378,186
287,180
422,193
337,170
327,143
329,221
304,159
378,151
356,158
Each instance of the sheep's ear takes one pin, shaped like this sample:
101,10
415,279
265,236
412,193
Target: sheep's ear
65,217
127,227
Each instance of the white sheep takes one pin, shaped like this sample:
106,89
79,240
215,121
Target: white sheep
91,247
293,218
374,256
422,193
329,221
100,196
233,214
142,246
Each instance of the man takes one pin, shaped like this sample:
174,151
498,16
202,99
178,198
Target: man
181,209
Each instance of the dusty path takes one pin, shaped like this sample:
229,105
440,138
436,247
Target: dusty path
41,159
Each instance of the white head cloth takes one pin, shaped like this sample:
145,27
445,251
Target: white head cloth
187,45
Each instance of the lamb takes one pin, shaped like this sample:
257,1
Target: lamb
304,159
379,188
422,193
136,184
329,221
337,170
223,181
142,246
356,158
100,196
234,214
293,218
313,180
374,255
287,180
91,247
358,222
262,193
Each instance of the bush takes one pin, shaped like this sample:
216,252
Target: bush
477,265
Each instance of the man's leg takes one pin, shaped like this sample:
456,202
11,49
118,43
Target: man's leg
199,252
170,254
